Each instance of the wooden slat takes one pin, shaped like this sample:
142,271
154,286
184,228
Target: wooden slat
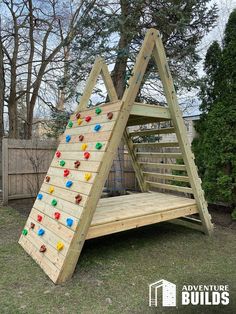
162,165
170,187
89,128
147,110
159,144
85,165
167,176
127,224
152,132
88,137
75,147
159,155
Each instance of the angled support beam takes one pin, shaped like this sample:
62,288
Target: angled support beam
178,123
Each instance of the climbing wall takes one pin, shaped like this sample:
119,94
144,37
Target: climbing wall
75,176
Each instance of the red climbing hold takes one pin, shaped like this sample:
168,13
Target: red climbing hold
58,154
78,115
78,198
47,179
86,155
88,118
57,215
39,218
81,137
32,225
66,172
109,115
42,248
77,164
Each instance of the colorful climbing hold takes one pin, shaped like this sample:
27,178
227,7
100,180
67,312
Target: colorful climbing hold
42,248
69,184
86,155
98,110
32,225
84,146
40,196
109,115
78,115
78,198
24,232
77,164
51,189
81,137
98,145
57,215
60,245
62,163
79,121
97,127
70,124
47,178
41,232
58,154
54,202
68,138
87,176
39,218
66,172
69,222
88,118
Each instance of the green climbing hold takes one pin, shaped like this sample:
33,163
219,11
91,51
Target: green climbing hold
54,202
24,232
98,110
62,163
98,145
70,124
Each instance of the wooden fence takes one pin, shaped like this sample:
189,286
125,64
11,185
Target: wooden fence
25,163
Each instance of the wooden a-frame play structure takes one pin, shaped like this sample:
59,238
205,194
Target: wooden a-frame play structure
68,209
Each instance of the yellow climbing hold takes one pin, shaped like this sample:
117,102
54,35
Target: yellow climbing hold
84,146
79,121
60,245
87,176
51,189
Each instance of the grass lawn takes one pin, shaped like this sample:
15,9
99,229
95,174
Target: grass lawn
113,273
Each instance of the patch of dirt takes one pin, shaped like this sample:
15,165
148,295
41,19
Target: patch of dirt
221,216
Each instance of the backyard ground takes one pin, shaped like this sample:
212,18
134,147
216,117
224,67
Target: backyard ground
114,272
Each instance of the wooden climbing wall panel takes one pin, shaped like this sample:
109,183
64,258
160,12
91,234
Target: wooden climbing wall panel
77,174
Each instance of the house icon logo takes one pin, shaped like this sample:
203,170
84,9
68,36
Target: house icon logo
166,289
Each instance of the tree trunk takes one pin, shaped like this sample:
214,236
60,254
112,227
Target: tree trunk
2,89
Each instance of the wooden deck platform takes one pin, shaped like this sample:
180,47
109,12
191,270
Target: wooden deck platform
121,213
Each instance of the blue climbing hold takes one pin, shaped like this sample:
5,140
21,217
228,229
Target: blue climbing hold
40,196
97,127
41,232
69,184
68,138
69,222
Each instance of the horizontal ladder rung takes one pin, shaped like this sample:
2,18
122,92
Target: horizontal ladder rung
153,132
170,187
160,155
164,166
159,144
167,176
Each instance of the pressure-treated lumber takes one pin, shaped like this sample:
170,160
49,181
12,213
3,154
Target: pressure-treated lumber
90,218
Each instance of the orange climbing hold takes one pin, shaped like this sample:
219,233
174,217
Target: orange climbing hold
47,178
109,115
78,115
81,137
